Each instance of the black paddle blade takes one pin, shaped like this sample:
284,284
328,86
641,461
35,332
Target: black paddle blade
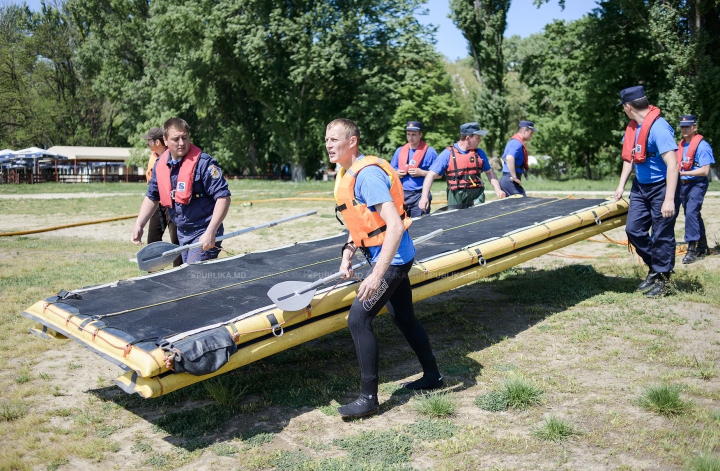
285,297
150,257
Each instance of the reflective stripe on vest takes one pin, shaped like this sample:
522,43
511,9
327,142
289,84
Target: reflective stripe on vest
526,163
417,156
366,227
182,193
463,170
687,161
635,151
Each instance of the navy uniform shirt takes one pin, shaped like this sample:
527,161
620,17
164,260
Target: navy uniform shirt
208,185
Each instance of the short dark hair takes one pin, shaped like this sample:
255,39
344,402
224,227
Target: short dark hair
351,129
464,136
523,128
640,104
178,124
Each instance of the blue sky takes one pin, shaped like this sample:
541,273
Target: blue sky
524,19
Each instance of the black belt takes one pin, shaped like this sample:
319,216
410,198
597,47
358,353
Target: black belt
687,182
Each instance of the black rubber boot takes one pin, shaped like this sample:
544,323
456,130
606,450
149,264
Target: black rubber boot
425,384
660,288
361,407
649,281
691,255
702,247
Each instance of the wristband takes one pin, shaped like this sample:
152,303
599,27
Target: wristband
351,246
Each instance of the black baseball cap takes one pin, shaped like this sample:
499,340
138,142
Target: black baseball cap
154,134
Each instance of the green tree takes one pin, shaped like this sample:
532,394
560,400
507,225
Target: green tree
44,98
427,96
483,24
15,66
256,79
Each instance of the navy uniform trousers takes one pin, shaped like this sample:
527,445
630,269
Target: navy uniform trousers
509,186
190,236
692,194
412,198
646,200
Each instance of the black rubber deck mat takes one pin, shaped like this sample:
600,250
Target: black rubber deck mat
207,293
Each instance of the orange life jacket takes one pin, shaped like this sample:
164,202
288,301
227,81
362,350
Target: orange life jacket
463,170
182,193
151,163
526,163
686,163
636,151
366,227
417,157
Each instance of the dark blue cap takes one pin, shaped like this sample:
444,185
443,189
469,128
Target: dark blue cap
413,126
688,120
469,129
527,124
631,94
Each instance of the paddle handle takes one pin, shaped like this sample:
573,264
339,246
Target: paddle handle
361,264
237,233
428,236
330,278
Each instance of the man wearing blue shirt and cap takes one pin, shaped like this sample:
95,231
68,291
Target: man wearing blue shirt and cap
412,162
694,159
462,163
515,159
649,148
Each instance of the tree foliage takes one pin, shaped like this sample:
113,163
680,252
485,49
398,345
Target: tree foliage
483,24
44,100
574,71
257,79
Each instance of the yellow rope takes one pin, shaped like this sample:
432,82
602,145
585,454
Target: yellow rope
55,228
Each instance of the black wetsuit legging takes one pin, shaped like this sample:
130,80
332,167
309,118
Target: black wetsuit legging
396,293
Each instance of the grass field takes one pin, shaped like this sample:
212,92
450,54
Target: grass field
554,364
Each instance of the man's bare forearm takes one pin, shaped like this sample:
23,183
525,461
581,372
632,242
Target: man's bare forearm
703,171
147,209
221,209
672,175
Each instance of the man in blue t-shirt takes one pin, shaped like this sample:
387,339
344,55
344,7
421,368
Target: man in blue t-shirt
412,162
694,185
388,284
462,164
654,197
515,159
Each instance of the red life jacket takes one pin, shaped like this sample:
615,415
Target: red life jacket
417,157
366,227
182,193
636,151
526,163
463,170
686,163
